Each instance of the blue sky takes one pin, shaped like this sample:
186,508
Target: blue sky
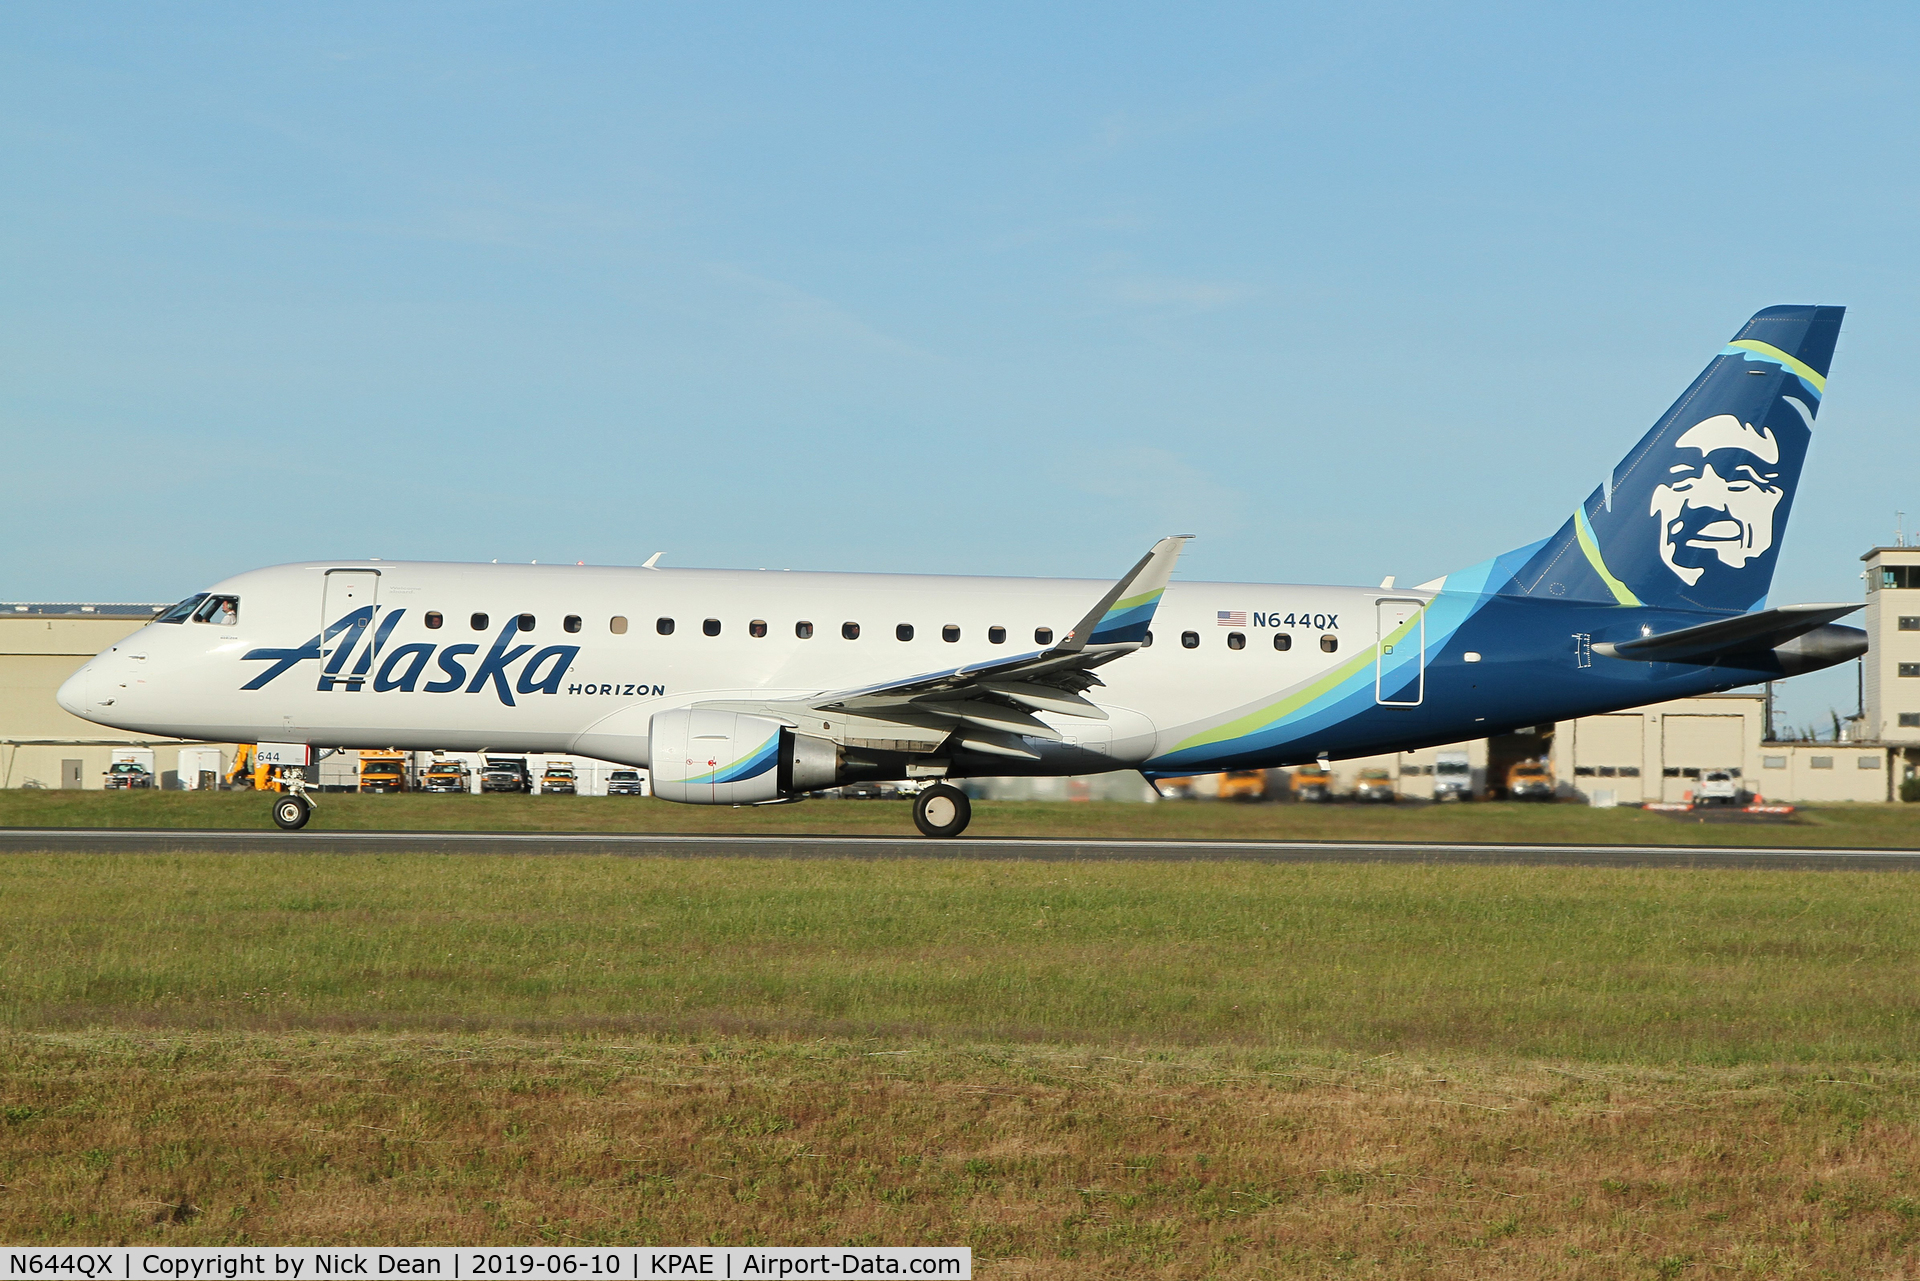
974,289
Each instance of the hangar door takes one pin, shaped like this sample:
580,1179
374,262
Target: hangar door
1610,748
1693,745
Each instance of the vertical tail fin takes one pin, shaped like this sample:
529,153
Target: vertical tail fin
1694,516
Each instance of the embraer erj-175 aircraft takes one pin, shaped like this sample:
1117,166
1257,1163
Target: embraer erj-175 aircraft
744,687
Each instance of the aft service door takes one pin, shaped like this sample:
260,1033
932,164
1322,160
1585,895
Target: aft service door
1400,658
349,597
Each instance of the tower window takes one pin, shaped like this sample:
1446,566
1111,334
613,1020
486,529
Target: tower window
1910,622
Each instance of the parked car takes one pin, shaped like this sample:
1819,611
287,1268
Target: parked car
126,774
1452,776
1529,781
559,780
625,782
446,776
506,774
1374,785
1717,787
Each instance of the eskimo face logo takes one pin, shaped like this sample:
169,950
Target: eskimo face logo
1720,504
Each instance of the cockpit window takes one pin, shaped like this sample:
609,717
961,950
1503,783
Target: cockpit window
179,613
223,610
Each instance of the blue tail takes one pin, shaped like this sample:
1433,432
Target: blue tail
1693,518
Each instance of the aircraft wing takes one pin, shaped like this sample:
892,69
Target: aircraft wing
1743,634
992,704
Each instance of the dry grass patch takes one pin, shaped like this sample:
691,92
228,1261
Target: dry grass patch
1072,1161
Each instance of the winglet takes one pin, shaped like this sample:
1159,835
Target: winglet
1123,615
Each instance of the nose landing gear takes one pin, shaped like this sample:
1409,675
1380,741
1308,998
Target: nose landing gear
942,810
292,810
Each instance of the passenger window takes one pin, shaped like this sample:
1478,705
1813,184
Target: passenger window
664,626
1190,640
571,622
434,620
1283,641
1043,635
478,622
526,622
223,610
1236,640
949,633
711,627
184,610
803,630
996,635
1146,642
903,632
1329,643
758,627
850,631
617,625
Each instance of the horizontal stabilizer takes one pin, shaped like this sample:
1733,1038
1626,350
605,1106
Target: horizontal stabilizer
1745,634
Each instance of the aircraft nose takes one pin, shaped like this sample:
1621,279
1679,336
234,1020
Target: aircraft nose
73,694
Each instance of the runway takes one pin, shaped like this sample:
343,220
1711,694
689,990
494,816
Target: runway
20,840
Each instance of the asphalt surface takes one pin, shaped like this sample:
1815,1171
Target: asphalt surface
19,840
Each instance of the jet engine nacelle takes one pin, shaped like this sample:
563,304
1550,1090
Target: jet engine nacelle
703,756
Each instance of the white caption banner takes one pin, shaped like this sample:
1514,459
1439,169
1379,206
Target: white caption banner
303,1263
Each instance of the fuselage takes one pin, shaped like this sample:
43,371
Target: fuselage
578,659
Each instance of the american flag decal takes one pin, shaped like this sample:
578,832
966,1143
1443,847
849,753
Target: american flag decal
1232,617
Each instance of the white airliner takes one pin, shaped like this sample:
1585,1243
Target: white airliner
746,687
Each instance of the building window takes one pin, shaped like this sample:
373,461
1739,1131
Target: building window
571,622
478,622
850,631
1820,762
617,625
1869,762
1773,762
1328,644
903,632
1690,771
1580,771
758,627
434,620
803,630
1910,622
1897,576
664,626
1236,640
1043,635
949,633
996,635
711,627
526,622
1629,771
1910,720
1910,669
1190,640
1282,641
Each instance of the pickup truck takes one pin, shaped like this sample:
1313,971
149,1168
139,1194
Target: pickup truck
445,776
1311,783
559,781
1529,781
1374,785
505,774
128,775
625,782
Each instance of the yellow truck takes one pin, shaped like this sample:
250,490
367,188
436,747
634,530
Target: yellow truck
383,771
1311,783
1529,781
1244,785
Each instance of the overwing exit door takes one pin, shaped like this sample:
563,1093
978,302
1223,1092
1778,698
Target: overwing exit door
1400,657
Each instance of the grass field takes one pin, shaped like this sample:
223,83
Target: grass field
1885,826
1079,1069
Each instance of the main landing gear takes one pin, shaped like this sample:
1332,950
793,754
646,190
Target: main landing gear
942,810
292,810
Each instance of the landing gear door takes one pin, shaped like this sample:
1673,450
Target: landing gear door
346,608
1400,656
